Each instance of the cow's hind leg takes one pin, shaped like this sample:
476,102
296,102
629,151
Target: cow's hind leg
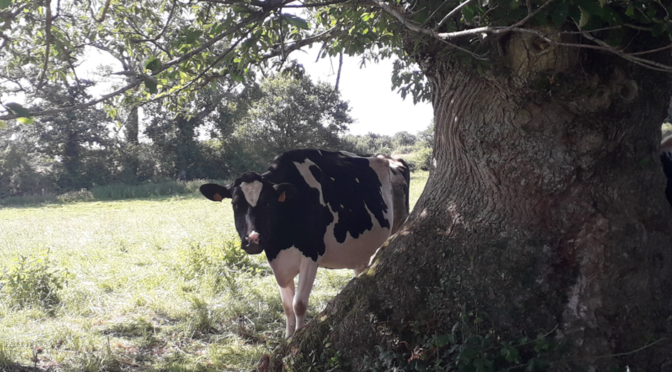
307,274
287,295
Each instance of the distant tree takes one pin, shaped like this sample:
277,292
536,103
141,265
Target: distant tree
293,112
66,147
426,136
403,138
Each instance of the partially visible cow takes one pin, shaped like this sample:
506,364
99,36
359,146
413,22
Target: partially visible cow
316,208
666,160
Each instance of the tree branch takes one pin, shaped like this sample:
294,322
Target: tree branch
76,107
315,5
251,19
47,47
102,17
451,13
338,76
170,17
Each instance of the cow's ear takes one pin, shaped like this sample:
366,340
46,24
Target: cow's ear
215,192
285,191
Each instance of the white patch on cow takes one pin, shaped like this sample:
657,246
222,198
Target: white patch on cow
356,179
309,178
347,153
666,147
320,152
286,265
252,190
354,253
289,263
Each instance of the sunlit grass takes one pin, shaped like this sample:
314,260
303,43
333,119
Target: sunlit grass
149,285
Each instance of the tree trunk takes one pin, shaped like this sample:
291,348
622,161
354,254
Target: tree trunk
544,215
132,131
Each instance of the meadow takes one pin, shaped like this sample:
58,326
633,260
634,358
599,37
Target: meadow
143,284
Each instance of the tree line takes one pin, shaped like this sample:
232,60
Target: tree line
229,130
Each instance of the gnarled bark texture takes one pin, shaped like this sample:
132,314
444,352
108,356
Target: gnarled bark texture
544,208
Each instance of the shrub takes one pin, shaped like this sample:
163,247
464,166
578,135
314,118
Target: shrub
33,281
420,159
75,196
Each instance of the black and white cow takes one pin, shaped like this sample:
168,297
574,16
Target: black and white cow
316,208
666,160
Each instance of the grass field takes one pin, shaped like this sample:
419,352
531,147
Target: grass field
139,285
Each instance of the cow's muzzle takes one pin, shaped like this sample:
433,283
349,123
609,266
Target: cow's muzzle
251,243
253,248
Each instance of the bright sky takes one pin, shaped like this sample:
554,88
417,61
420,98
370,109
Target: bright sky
375,107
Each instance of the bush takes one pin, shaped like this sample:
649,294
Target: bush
420,159
75,196
33,281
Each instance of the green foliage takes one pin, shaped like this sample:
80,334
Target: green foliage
33,281
321,358
219,259
182,48
6,354
420,159
292,112
469,347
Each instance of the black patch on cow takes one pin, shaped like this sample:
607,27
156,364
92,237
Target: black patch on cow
349,186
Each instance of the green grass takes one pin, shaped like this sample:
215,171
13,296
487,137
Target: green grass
139,285
112,192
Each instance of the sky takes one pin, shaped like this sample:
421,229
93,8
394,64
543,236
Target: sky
374,106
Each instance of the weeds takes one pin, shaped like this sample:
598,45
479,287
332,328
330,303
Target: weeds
33,281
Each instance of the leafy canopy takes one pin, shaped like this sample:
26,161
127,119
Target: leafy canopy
185,46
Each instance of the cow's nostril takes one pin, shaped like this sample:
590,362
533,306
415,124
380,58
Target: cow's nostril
253,237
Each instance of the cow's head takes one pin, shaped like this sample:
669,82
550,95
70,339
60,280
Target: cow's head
255,203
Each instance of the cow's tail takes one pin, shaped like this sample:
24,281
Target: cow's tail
666,160
406,172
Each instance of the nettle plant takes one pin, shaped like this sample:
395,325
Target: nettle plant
33,281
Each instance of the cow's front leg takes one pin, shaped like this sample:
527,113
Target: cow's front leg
287,295
307,273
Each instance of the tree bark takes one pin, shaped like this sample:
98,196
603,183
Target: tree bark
132,130
544,214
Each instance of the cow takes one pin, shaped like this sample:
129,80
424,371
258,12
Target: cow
666,160
316,208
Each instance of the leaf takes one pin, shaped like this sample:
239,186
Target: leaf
5,4
192,35
3,125
25,121
559,15
295,21
18,109
585,17
658,29
468,13
630,12
153,64
151,86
